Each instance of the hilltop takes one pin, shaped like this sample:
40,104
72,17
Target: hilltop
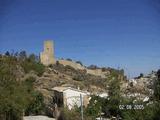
26,80
47,77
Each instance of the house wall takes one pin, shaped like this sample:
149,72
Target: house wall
72,98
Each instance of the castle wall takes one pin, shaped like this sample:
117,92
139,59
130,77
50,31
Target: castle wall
96,72
72,64
47,58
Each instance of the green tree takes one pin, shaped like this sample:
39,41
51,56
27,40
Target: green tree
94,108
93,67
151,111
36,106
68,59
114,94
14,97
79,62
157,86
7,53
33,58
30,64
22,55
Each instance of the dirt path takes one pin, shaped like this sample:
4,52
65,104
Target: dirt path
37,118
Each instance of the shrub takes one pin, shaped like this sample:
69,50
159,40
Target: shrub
79,77
35,66
94,108
68,59
14,98
74,114
93,67
36,106
79,62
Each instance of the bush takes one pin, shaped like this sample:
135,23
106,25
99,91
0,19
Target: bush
74,114
93,67
68,59
36,106
14,98
94,109
15,95
157,86
69,68
104,69
79,62
79,77
150,112
35,66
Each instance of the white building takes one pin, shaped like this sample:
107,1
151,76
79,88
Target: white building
70,97
103,95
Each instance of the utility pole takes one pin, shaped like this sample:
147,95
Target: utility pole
81,99
100,113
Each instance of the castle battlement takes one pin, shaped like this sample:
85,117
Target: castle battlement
47,58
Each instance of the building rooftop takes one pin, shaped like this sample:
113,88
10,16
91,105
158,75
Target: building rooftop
62,89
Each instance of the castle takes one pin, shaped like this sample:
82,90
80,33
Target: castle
47,58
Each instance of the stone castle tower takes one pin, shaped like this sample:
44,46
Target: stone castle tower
47,56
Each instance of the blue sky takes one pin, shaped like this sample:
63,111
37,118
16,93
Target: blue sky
112,33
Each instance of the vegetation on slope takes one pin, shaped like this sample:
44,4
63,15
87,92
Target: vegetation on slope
18,97
111,106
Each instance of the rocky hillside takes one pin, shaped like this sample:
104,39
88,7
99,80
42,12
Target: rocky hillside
60,75
141,87
47,77
24,79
